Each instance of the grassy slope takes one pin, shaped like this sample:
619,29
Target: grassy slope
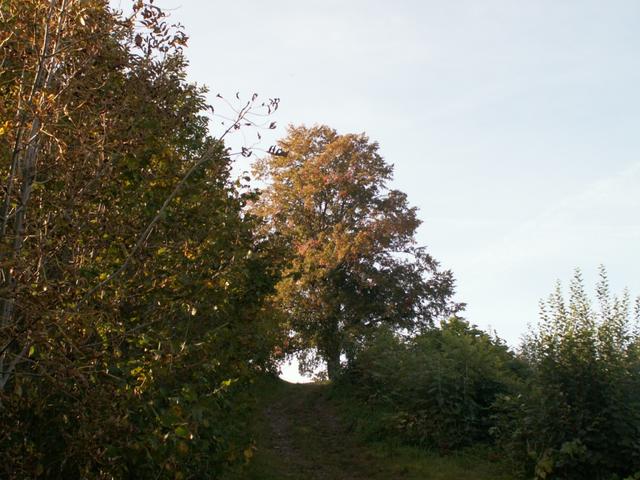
300,435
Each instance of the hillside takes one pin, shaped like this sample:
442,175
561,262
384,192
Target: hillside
301,432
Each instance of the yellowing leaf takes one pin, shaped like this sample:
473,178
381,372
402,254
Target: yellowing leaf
248,453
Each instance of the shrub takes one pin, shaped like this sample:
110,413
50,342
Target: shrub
578,415
437,388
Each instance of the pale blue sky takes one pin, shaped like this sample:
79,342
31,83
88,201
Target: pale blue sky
513,125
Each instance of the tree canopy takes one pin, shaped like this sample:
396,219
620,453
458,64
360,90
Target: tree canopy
351,262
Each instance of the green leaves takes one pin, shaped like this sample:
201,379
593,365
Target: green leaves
437,387
129,377
578,414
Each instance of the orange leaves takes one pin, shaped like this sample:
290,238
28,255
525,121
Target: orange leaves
329,202
189,252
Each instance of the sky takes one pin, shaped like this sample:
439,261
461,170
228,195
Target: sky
512,125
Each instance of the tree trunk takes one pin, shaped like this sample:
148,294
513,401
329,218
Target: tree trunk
24,166
333,366
332,357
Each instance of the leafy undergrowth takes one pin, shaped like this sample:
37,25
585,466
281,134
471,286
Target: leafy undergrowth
305,431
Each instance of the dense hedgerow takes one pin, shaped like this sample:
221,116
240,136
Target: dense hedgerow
132,283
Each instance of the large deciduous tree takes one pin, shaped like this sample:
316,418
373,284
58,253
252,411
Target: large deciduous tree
352,262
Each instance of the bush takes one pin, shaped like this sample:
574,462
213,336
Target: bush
578,414
436,388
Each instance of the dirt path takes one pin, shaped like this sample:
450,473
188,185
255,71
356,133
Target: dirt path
300,436
310,442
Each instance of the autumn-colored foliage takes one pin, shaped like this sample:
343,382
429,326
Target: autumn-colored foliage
131,278
351,261
143,291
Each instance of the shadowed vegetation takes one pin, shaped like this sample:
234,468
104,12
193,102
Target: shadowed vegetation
147,297
309,431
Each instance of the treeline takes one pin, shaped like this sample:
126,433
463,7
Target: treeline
133,282
566,406
144,290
